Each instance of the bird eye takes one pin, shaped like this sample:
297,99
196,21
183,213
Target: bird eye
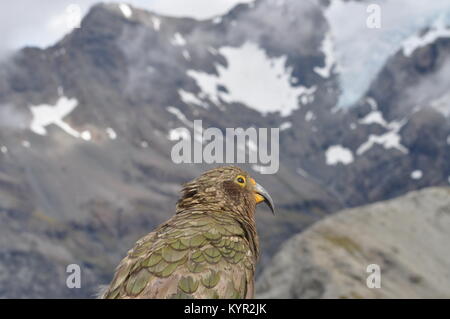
240,180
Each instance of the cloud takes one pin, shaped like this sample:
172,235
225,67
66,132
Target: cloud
33,23
42,23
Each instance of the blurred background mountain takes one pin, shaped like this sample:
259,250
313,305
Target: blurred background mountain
406,237
87,125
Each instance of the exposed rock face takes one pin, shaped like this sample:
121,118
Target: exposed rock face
101,176
407,237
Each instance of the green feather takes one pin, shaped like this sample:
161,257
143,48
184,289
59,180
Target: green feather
211,280
198,256
213,234
170,268
195,267
159,267
178,245
197,241
171,255
152,260
212,255
237,257
137,282
188,285
121,275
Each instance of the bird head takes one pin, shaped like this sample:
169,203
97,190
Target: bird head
226,188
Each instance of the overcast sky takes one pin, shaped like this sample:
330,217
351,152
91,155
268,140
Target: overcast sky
43,22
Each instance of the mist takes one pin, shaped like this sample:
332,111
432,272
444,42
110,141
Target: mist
42,23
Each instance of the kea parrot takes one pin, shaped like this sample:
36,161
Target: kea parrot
208,249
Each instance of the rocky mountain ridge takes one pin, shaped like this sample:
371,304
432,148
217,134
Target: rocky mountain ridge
406,237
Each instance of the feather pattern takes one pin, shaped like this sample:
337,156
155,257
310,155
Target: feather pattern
208,249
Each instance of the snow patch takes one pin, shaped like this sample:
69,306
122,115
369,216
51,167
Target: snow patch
309,116
178,40
144,144
126,10
111,133
207,83
389,140
285,126
4,149
417,174
189,98
156,23
45,115
86,135
372,102
180,116
338,154
374,117
330,60
308,95
186,55
438,30
254,79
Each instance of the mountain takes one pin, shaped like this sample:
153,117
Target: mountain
406,237
87,127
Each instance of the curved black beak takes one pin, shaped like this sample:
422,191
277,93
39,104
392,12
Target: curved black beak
263,196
